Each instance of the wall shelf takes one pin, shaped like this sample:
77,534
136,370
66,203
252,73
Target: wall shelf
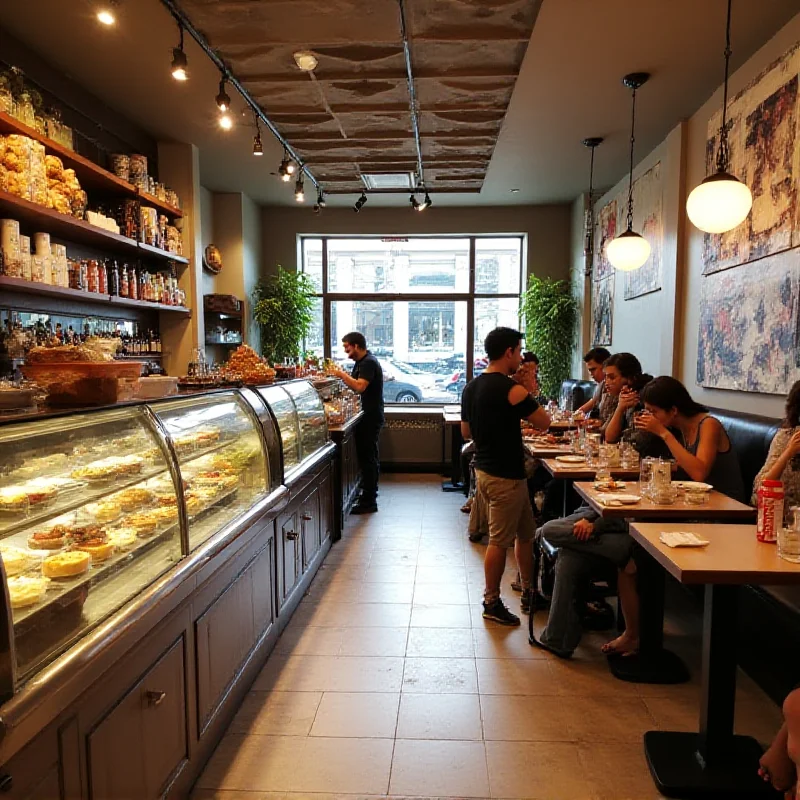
89,174
109,301
63,226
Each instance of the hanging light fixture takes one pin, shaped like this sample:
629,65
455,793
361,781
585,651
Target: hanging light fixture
258,147
179,62
629,250
721,201
299,191
361,202
223,101
286,168
414,202
426,203
588,229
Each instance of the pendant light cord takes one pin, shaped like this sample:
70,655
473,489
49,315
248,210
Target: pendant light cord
633,140
722,152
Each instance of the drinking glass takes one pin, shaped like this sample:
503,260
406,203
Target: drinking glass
664,494
789,544
646,475
695,497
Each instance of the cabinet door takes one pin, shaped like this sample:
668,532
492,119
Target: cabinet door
326,508
225,635
135,750
309,516
290,552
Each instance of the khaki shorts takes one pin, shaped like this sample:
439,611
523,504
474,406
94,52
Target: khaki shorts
509,509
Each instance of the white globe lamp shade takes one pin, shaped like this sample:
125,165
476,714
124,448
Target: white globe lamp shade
719,203
628,251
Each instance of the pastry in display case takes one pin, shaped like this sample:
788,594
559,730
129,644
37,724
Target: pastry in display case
282,407
71,488
310,417
220,459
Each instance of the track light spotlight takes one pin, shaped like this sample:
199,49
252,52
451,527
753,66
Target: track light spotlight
414,202
286,168
179,62
223,101
321,202
360,203
426,203
258,147
299,191
106,12
291,167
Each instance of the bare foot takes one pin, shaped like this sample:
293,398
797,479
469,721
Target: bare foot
776,767
624,645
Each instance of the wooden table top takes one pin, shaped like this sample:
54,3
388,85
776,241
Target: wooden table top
582,472
718,507
546,450
734,555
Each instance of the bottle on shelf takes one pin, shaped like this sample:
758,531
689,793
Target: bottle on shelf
124,285
114,280
133,284
102,278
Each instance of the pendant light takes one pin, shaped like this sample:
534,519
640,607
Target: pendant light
629,250
258,147
588,231
299,191
721,201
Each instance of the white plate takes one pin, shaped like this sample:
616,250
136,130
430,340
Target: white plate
696,485
571,459
619,499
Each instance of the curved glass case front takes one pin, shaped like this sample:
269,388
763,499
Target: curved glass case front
282,407
220,457
88,519
310,417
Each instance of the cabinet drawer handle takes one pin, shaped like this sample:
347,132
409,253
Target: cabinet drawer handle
292,535
306,517
155,699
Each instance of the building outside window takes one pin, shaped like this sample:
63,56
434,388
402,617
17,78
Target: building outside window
424,305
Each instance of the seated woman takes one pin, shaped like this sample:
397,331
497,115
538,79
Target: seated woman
698,443
624,380
782,464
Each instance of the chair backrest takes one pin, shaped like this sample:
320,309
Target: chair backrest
751,436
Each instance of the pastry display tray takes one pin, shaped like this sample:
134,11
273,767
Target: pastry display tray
85,492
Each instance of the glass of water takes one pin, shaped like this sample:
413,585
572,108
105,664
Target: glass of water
789,544
646,475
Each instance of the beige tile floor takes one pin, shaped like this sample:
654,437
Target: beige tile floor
387,681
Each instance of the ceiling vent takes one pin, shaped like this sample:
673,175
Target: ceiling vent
389,180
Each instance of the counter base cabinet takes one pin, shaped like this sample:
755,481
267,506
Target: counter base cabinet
347,475
150,722
229,630
142,743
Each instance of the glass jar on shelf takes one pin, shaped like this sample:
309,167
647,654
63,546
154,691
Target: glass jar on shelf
25,112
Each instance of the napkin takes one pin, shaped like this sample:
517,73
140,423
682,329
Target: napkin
682,539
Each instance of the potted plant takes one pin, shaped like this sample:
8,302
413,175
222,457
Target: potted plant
283,308
549,312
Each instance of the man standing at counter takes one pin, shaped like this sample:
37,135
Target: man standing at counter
366,379
492,407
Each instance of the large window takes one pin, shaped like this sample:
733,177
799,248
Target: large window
424,305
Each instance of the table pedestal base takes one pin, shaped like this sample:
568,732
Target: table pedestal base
677,768
660,666
450,486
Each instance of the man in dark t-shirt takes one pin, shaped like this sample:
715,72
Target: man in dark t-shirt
366,379
492,407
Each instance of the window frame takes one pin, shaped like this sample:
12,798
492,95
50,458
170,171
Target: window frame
469,297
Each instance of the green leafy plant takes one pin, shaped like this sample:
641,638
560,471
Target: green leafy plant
549,312
283,308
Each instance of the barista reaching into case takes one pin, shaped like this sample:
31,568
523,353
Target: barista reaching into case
367,380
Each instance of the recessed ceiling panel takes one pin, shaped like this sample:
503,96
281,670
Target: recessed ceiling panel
353,114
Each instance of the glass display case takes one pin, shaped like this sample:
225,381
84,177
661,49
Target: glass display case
88,519
282,406
220,458
300,415
310,417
